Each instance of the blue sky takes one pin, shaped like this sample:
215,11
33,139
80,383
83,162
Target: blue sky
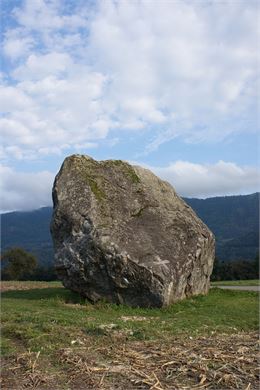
168,85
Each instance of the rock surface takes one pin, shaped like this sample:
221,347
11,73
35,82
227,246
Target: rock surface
122,234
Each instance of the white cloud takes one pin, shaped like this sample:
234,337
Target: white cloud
173,55
40,15
16,46
186,69
207,180
12,99
55,102
24,191
38,67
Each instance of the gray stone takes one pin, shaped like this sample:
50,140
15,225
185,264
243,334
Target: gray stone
122,234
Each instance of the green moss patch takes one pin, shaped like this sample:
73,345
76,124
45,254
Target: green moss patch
95,188
132,175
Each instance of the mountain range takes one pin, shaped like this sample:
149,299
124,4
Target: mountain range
233,219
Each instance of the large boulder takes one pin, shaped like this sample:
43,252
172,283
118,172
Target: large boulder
123,235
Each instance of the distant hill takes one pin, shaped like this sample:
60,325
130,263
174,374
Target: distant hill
29,230
233,219
235,222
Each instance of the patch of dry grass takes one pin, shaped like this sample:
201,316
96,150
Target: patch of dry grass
215,362
11,285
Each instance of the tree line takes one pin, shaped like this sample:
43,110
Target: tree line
236,270
17,264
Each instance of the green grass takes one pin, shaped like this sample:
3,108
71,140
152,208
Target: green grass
252,282
49,318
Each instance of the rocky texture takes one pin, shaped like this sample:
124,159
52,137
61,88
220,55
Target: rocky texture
122,234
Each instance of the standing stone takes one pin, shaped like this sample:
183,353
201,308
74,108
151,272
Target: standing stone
122,234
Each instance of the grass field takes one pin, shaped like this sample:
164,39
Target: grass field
52,338
252,282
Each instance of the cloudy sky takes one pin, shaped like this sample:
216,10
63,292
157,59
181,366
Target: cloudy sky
170,85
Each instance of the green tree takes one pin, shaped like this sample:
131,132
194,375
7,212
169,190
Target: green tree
18,264
44,274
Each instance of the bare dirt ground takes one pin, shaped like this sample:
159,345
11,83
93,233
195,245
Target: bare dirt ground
215,362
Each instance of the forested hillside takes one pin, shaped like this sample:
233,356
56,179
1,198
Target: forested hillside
29,230
235,222
233,219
